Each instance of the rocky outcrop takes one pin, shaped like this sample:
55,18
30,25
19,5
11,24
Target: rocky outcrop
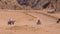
28,4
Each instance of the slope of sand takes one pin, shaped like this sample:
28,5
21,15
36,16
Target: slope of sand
25,22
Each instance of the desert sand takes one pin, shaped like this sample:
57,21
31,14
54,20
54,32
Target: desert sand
25,22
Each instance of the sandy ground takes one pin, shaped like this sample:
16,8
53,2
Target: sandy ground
25,22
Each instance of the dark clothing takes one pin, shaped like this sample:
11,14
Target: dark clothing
38,22
58,21
10,22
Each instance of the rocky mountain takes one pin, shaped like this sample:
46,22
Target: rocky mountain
28,4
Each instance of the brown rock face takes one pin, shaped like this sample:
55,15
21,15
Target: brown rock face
28,4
